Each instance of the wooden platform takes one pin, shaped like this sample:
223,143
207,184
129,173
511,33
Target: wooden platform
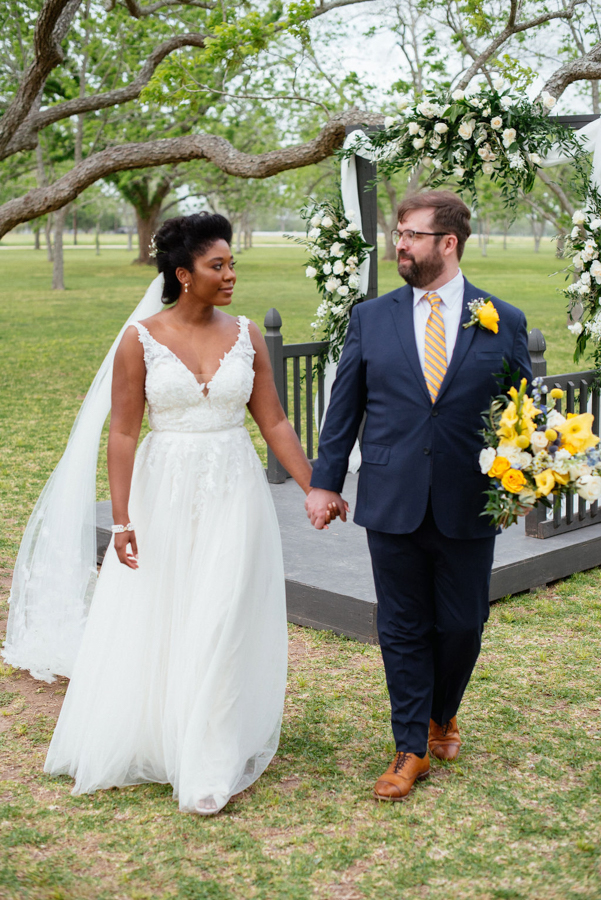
329,582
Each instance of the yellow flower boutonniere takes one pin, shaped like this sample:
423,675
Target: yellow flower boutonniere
483,314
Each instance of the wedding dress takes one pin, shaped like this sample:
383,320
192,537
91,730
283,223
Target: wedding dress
181,673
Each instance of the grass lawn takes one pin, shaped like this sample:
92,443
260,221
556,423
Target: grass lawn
518,816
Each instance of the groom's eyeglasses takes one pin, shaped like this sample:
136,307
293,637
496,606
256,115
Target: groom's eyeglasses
409,236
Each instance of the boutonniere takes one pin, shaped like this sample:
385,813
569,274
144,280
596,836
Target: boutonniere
483,314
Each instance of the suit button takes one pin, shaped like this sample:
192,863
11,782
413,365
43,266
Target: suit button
434,412
427,451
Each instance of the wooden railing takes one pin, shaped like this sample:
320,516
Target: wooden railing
299,392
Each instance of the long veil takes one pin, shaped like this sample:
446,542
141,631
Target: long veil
55,573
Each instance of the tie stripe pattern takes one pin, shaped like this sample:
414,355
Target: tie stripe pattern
435,356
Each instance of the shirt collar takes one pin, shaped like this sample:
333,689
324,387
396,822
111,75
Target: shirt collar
450,293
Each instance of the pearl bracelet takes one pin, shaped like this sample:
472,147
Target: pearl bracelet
119,529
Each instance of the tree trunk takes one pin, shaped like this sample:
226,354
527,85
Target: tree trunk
239,236
146,228
130,245
75,226
387,220
538,229
505,231
36,237
48,233
58,264
97,237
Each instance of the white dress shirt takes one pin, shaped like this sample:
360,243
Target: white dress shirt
451,295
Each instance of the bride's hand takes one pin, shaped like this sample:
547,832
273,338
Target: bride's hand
121,544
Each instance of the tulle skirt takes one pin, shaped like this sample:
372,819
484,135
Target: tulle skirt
181,674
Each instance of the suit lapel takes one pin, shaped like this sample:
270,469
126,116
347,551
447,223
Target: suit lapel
465,336
402,312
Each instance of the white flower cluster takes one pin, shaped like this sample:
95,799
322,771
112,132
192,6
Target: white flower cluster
585,239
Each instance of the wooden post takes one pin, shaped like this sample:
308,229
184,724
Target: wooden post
368,207
276,473
536,347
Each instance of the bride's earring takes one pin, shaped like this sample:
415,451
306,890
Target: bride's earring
186,287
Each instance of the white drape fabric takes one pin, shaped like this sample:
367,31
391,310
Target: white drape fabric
55,572
590,137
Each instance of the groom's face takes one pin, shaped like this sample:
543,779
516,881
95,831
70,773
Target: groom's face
420,261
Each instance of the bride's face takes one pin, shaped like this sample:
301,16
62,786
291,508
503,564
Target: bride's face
213,277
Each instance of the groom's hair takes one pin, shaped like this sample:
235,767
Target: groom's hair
451,215
180,240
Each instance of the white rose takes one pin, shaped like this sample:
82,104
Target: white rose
579,217
509,136
595,224
352,226
488,168
538,440
576,328
326,222
548,101
403,104
316,221
331,285
482,152
577,262
511,453
575,232
476,102
427,160
458,172
327,268
466,129
435,141
487,458
578,470
418,143
353,261
535,159
319,251
354,282
437,164
389,122
596,271
506,102
426,109
343,290
555,419
350,215
413,128
336,249
589,487
338,267
584,288
496,123
585,278
441,128
458,95
314,234
498,84
310,272
343,233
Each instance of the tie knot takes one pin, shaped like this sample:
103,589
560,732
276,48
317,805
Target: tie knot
433,299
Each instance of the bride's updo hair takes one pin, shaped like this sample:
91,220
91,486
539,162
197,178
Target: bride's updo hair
180,240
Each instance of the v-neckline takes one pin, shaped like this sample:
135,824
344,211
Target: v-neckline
205,385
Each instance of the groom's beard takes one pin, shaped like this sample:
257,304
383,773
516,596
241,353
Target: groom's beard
420,274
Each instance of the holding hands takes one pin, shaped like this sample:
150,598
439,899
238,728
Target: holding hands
324,506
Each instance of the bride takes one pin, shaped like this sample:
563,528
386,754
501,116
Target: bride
181,671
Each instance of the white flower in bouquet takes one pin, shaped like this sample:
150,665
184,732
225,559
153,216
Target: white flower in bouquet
327,268
320,252
519,459
441,128
577,262
576,328
583,288
575,232
555,419
548,101
562,458
403,103
437,163
466,129
338,267
418,143
352,226
413,128
352,261
427,109
509,136
579,217
343,290
343,233
589,487
591,249
594,328
578,470
498,84
336,249
458,95
350,215
435,141
316,221
339,309
535,159
595,270
427,160
354,282
389,121
516,161
488,168
310,272
486,459
313,235
331,285
483,152
506,102
595,224
326,222
486,111
585,278
541,461
496,122
458,172
538,441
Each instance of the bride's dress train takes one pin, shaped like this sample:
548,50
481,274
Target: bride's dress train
181,673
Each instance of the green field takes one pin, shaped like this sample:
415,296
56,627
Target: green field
516,818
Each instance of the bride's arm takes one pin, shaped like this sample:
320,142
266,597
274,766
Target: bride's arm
266,410
127,411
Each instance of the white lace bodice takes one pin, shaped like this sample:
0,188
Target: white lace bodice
176,400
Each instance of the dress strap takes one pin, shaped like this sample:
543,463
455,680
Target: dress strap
244,340
151,348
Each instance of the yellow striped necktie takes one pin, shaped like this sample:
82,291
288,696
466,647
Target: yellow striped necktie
435,356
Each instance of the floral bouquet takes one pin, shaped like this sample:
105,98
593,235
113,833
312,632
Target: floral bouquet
532,452
337,250
584,248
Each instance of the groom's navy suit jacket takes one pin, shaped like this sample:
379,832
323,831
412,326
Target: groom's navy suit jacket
413,449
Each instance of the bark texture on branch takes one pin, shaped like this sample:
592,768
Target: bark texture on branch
585,68
174,150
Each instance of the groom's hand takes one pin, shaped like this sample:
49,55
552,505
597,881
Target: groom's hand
323,506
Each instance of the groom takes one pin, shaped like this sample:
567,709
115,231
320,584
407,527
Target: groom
423,379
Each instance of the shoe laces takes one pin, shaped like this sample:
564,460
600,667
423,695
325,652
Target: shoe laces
446,728
399,761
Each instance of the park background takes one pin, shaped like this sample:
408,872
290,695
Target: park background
518,816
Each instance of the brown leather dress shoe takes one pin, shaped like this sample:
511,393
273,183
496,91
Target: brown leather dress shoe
401,775
444,741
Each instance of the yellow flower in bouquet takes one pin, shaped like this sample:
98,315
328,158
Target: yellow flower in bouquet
577,433
499,467
517,422
488,317
545,482
513,481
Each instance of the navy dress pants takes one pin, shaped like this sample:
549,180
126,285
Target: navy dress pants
432,605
